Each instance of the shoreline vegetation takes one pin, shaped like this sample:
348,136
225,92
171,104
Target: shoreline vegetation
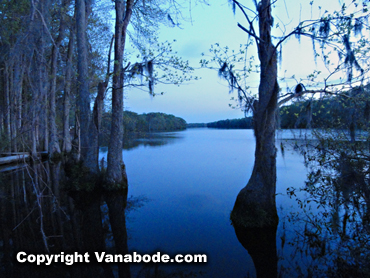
141,123
333,112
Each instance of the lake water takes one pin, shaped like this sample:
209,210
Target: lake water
182,188
191,179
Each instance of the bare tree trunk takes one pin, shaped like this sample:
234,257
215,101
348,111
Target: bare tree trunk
35,75
2,102
83,101
54,148
7,105
18,82
77,137
43,118
53,144
92,156
116,168
67,144
41,36
42,87
34,135
12,104
255,204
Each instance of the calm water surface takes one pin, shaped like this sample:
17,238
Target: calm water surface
191,179
183,186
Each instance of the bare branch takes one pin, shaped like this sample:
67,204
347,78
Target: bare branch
252,31
249,33
109,58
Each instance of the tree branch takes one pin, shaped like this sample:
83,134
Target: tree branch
252,32
109,58
249,33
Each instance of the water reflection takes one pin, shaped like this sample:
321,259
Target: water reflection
153,139
192,183
327,234
261,246
332,232
39,217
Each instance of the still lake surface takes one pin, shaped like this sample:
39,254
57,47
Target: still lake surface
189,181
182,188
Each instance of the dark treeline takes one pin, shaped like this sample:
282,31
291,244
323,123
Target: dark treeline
342,112
152,122
133,122
196,125
349,112
244,123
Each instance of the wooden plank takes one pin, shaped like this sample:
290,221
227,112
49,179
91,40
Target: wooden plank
13,153
19,157
43,153
13,158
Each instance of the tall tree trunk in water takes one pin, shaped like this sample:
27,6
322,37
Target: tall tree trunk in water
67,144
41,86
18,88
254,215
54,149
7,104
35,76
35,102
92,155
83,100
2,101
12,104
255,205
41,37
116,168
116,172
15,85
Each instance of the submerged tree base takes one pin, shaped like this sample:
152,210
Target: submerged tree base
253,208
255,220
81,178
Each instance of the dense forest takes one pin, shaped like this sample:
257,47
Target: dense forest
350,111
347,112
133,122
149,122
60,59
243,123
63,68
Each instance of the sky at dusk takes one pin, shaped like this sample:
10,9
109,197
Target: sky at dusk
208,99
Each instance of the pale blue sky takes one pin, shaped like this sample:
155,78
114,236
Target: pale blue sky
208,99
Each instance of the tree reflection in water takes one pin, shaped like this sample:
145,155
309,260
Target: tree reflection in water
154,139
39,217
261,246
328,233
326,236
334,214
